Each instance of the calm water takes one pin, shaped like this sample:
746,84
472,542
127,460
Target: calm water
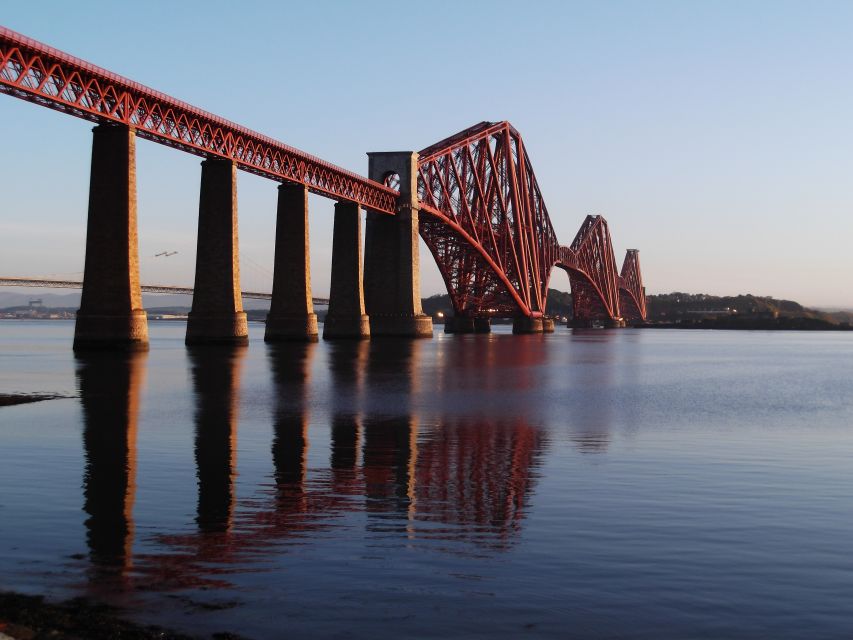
599,484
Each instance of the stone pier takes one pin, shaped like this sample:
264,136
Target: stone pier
526,324
291,315
217,315
466,324
111,314
346,317
391,260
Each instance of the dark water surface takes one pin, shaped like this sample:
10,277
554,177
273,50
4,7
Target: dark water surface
599,484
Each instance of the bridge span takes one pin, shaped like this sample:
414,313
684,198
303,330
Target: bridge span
473,198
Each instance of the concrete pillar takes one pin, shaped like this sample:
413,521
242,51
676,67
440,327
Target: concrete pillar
291,315
217,315
391,260
346,317
459,324
111,314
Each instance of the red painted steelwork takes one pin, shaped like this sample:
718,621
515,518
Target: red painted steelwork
484,218
632,293
486,223
41,74
488,228
591,265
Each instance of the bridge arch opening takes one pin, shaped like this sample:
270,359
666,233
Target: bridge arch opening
558,300
391,179
589,306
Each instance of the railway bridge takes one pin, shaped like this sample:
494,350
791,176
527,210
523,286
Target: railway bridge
473,198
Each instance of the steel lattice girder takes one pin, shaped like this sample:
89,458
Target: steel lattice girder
41,74
481,184
485,220
591,265
488,228
632,293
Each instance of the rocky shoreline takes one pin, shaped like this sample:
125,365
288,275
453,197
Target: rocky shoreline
24,617
9,399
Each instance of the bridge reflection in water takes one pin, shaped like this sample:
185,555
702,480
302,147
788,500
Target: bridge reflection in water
464,480
110,386
216,382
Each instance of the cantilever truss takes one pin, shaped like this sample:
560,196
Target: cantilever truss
591,266
483,215
41,74
632,293
486,223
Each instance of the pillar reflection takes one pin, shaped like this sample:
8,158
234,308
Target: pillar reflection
216,383
347,362
110,386
291,370
391,427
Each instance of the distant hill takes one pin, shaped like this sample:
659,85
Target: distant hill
742,311
691,307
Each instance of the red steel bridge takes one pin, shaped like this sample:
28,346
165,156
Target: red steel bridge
479,207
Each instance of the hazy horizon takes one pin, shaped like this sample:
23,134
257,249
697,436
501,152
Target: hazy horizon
65,298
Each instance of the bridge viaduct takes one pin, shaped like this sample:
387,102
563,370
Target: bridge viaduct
472,197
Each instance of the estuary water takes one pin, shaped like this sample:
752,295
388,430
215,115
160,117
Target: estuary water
583,484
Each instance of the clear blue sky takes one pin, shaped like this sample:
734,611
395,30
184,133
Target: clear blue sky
716,137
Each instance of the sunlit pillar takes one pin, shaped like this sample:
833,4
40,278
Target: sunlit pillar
217,315
111,314
391,254
346,317
291,315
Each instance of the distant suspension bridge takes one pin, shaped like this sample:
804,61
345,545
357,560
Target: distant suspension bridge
146,288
